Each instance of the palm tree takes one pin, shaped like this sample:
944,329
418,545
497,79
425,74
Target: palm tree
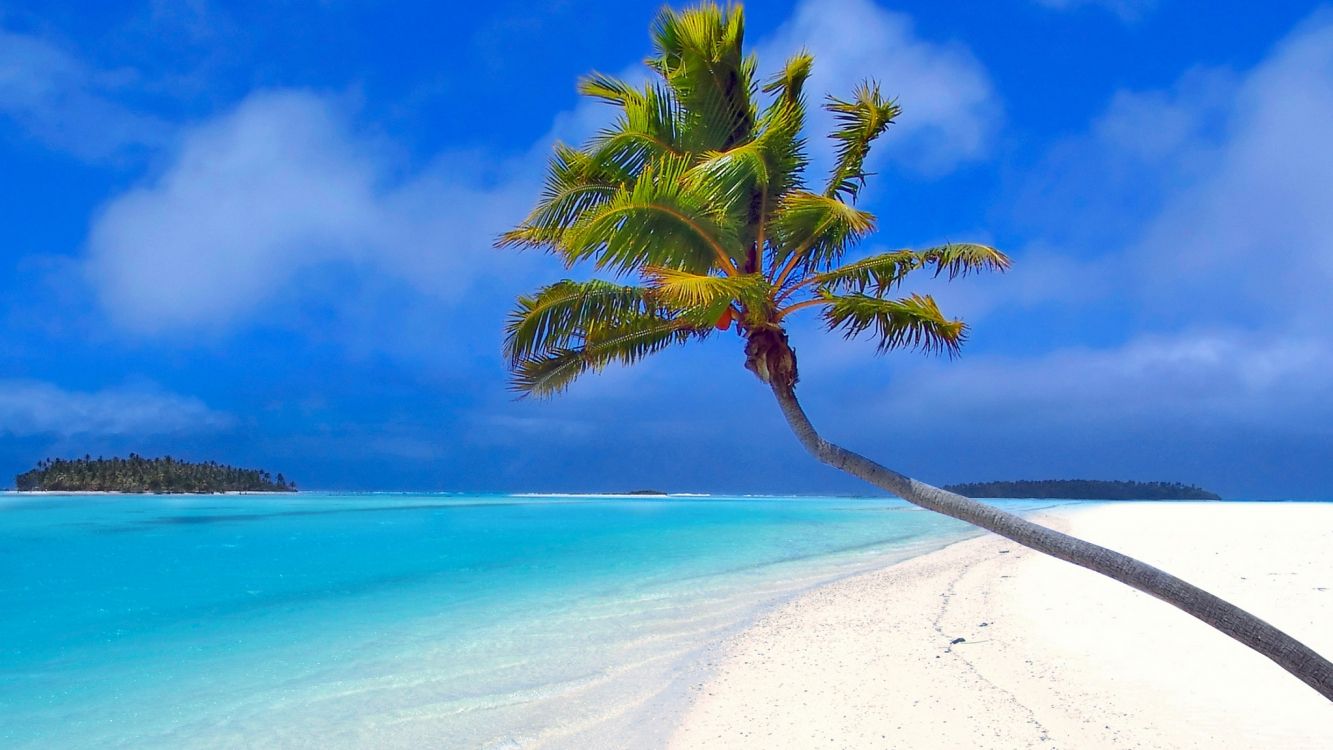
698,192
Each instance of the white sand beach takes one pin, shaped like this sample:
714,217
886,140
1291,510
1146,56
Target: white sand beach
1054,656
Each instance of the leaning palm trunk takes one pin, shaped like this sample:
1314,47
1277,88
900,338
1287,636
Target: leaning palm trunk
1289,653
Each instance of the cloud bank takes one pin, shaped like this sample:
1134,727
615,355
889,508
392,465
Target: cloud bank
30,408
66,104
278,188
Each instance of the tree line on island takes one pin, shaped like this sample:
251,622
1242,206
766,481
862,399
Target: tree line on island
1084,489
139,474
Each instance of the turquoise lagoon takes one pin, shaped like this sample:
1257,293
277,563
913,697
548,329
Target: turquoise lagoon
398,620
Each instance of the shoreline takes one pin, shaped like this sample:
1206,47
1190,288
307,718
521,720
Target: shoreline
652,721
1053,656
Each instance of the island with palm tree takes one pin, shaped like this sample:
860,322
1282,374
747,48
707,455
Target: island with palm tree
136,474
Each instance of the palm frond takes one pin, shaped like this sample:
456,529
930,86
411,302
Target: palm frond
551,372
609,89
860,122
559,315
814,231
699,54
789,83
660,220
913,322
961,258
548,374
782,123
729,178
647,129
702,298
881,273
576,183
878,273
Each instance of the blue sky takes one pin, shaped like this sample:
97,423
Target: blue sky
261,233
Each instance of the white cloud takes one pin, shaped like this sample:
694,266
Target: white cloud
1249,237
950,110
68,105
282,186
1242,413
1205,203
29,408
1160,381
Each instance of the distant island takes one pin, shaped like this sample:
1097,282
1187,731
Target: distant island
1084,489
138,474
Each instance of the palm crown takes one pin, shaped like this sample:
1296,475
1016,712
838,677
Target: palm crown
698,192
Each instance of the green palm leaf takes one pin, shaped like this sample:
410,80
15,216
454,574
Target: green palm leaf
648,127
789,84
701,299
878,273
576,183
728,179
860,122
881,273
960,259
814,231
558,316
628,341
658,221
783,123
609,89
699,54
913,322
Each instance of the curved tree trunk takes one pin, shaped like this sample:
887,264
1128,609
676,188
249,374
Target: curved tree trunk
1290,654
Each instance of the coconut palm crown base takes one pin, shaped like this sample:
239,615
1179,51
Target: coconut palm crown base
698,194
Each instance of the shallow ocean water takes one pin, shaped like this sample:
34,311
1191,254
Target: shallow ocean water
398,620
